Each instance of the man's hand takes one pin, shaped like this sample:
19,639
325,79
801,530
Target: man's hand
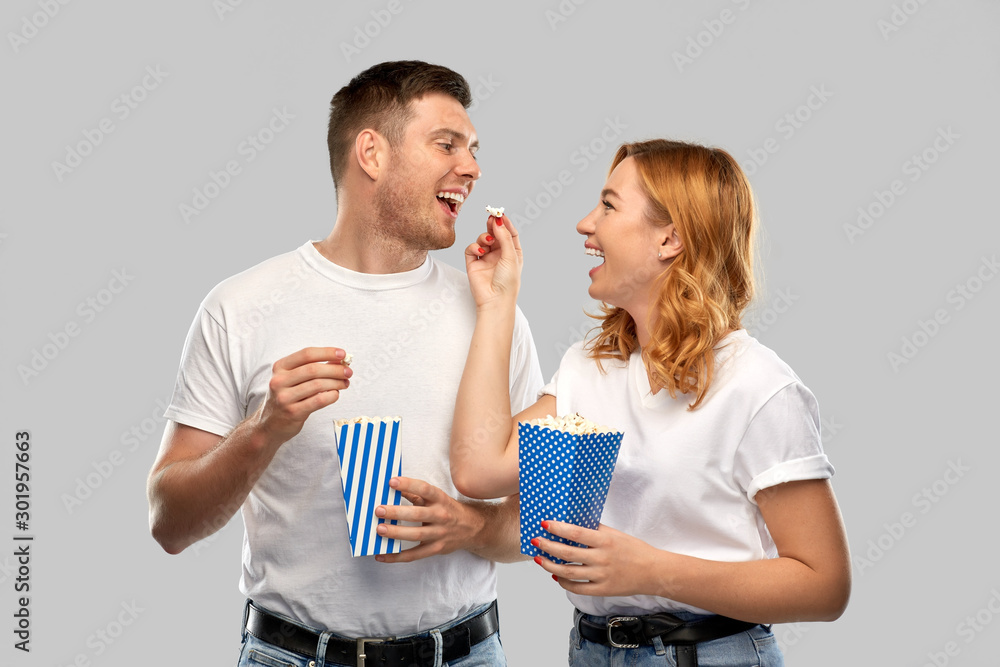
485,529
301,383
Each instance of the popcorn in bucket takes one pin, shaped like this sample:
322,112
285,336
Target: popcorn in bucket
565,466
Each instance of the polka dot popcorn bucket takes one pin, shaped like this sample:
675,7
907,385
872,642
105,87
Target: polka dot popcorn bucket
563,477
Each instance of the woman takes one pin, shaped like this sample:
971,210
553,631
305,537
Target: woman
720,519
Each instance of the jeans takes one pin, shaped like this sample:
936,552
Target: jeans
755,647
487,653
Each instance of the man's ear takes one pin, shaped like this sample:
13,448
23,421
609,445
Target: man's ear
670,244
371,150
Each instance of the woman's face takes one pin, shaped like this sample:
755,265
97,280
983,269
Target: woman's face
619,231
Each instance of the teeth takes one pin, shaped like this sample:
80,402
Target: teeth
455,196
594,252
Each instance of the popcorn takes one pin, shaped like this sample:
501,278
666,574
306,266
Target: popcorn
496,212
348,358
364,420
575,424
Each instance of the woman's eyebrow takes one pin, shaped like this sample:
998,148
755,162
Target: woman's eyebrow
608,191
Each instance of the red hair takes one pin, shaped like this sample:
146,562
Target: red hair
700,297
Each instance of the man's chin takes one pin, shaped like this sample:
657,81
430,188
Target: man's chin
444,241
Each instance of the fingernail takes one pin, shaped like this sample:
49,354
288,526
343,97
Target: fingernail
538,559
348,372
489,239
555,578
499,222
545,525
380,559
534,541
380,512
480,251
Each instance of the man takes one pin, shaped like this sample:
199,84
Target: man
251,419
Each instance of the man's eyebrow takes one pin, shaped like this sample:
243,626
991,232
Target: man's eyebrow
459,137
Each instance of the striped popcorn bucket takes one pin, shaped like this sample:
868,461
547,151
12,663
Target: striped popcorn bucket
370,454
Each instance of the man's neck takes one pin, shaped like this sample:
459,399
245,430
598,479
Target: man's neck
349,246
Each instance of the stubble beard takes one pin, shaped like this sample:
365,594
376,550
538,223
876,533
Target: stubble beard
402,217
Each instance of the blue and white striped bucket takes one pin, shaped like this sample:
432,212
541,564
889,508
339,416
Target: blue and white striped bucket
370,455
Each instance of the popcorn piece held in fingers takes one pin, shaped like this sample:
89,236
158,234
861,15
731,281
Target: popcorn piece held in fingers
348,358
496,212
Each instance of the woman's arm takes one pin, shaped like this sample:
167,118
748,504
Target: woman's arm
495,476
483,435
810,580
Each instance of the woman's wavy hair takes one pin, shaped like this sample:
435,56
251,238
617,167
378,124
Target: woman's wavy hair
702,293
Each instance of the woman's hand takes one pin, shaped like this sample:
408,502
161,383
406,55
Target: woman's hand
810,580
614,564
494,262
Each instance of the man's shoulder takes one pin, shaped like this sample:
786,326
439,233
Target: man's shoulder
280,272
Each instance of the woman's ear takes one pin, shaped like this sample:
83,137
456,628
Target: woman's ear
670,245
371,152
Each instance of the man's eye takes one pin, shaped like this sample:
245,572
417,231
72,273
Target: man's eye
607,205
447,147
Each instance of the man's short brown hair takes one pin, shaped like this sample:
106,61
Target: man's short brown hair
379,98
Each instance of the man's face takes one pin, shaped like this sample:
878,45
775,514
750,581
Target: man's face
436,157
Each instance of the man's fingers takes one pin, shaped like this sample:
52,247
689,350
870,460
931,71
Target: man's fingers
309,355
408,555
301,392
417,487
306,372
407,533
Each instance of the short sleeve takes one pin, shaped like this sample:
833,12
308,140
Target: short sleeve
205,394
550,388
525,371
782,443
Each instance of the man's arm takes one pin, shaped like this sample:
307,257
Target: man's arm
200,479
489,530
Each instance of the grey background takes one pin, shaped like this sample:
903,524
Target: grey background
833,306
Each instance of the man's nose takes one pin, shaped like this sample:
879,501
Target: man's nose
469,168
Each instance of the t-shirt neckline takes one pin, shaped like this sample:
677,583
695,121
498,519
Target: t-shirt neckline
640,379
363,281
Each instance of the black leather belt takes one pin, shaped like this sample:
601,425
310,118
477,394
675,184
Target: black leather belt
373,651
636,631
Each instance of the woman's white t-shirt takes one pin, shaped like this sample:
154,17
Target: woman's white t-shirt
685,480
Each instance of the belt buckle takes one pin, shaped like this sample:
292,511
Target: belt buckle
616,621
361,641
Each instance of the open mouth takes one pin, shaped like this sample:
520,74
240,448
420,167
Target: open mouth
594,252
451,201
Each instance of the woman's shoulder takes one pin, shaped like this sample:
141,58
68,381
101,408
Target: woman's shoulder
740,356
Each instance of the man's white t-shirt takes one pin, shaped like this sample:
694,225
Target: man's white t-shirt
409,333
685,480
